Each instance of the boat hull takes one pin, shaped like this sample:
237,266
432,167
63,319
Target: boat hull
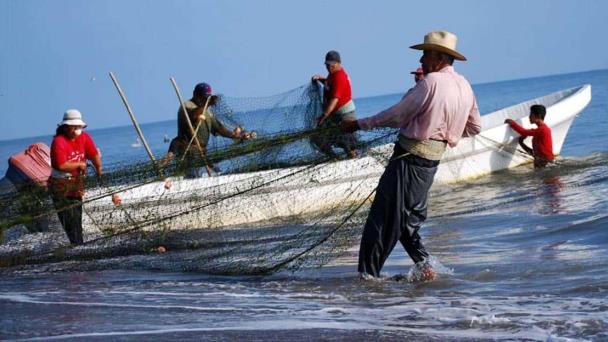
244,199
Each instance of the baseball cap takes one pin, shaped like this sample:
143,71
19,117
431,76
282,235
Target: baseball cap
203,89
332,57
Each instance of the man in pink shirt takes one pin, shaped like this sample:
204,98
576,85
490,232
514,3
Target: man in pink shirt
437,112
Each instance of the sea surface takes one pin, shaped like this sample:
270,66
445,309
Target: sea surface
523,254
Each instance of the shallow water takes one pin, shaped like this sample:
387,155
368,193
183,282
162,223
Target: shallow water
525,255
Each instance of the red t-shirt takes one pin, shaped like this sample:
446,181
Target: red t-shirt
338,86
542,144
78,150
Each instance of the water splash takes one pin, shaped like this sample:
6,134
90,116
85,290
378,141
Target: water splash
427,270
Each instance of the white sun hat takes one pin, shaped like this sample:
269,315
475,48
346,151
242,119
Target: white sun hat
442,41
72,117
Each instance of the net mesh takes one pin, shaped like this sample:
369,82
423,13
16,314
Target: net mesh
276,201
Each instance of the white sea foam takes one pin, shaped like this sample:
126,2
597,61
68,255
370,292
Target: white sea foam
15,297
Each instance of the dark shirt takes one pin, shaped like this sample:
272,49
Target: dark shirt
209,126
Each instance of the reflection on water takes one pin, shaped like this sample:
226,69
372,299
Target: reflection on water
551,195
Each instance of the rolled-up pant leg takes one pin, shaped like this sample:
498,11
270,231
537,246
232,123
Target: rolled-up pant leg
396,214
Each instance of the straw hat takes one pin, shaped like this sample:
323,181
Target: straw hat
442,41
72,117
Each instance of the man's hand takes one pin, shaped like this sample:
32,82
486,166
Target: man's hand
198,113
241,135
317,78
349,126
249,135
82,167
321,119
508,121
238,132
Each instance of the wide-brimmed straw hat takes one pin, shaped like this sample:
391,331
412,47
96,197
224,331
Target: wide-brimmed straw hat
72,117
442,41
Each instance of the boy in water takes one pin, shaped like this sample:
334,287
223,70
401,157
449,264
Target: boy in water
542,144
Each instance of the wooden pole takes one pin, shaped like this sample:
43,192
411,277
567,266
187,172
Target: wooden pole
135,124
192,131
194,135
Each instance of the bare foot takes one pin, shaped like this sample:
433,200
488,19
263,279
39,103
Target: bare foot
428,274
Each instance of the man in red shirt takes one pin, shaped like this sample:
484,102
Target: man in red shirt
337,105
542,144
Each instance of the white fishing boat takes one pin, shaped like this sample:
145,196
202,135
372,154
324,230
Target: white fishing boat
246,198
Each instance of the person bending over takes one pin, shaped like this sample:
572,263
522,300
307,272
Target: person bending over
338,105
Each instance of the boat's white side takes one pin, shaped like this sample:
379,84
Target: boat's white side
494,148
211,202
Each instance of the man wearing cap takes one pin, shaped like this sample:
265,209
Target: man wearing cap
70,149
337,105
437,112
202,97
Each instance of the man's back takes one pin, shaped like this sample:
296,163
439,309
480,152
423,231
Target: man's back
445,112
542,142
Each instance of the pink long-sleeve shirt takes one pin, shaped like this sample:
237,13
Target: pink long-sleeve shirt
442,106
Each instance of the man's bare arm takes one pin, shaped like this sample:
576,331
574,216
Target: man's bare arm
96,161
328,110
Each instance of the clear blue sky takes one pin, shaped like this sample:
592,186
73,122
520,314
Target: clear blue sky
56,54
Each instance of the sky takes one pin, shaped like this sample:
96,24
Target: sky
56,55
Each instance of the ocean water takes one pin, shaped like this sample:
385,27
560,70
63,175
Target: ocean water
524,255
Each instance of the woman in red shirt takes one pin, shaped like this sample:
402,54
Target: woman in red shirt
70,150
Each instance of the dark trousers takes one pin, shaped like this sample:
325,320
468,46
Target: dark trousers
332,136
398,211
70,216
539,161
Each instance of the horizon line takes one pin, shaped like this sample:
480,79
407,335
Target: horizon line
365,97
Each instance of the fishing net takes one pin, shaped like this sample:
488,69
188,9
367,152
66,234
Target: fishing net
276,201
281,200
